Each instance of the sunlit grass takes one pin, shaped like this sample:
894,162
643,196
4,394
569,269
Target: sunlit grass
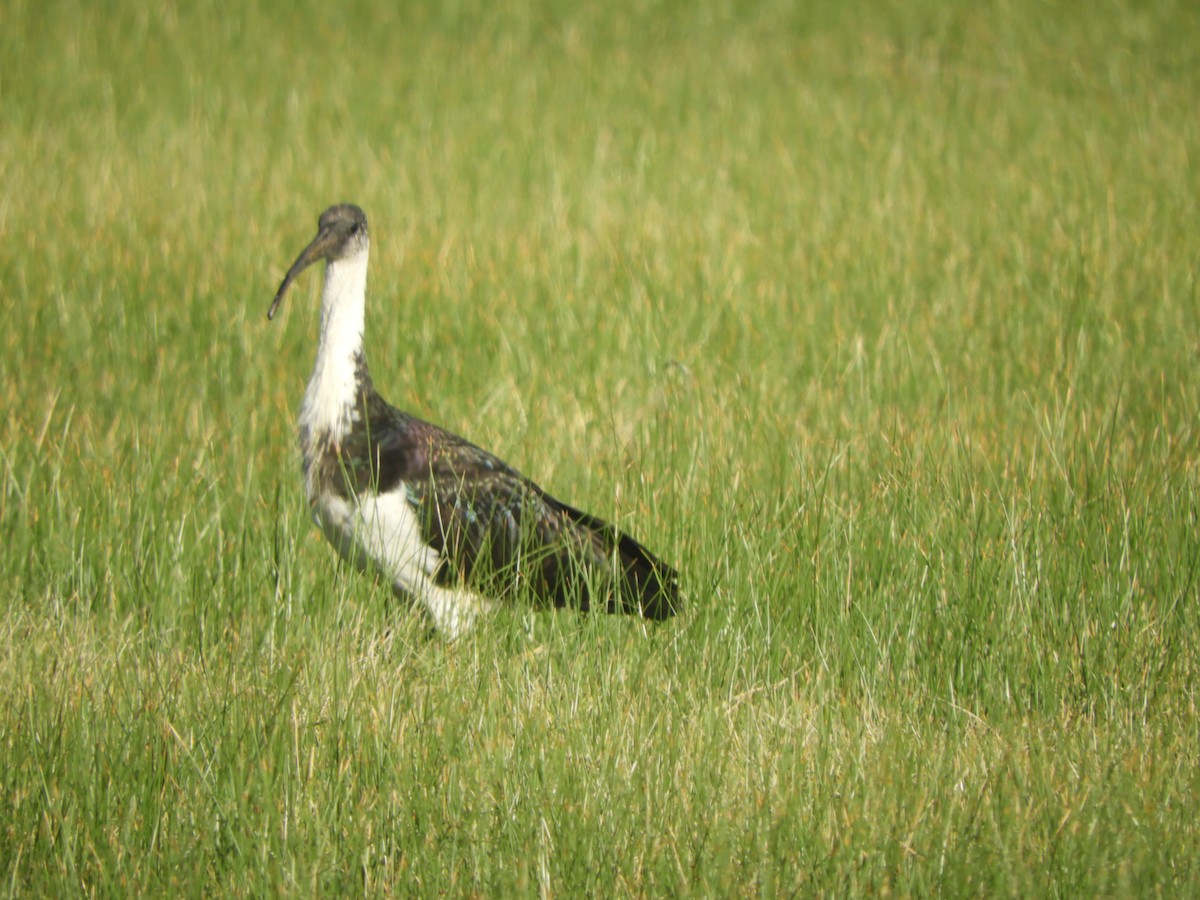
880,323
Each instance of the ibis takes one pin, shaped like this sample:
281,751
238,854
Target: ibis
445,522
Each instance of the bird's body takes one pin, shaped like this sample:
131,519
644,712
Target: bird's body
448,523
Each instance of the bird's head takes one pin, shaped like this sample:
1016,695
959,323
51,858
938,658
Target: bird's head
341,233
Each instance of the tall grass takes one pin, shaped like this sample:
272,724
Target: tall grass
880,321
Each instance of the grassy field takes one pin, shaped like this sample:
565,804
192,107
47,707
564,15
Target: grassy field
881,321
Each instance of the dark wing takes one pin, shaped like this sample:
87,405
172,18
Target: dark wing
498,530
647,584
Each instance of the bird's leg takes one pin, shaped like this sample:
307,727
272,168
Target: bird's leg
453,611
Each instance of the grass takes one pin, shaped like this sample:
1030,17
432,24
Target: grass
880,321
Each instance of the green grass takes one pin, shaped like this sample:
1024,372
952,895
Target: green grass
880,321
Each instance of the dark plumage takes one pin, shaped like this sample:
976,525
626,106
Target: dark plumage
490,524
490,529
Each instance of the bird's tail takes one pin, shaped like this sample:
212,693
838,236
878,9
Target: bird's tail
647,584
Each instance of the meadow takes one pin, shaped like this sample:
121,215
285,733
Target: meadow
879,320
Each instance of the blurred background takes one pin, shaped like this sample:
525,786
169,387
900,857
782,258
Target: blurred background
879,319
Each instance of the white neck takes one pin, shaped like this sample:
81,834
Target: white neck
330,401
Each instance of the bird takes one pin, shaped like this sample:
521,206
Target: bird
451,526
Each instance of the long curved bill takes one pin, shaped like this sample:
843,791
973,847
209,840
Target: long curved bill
316,250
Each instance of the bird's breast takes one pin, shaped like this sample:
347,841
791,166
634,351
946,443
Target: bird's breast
378,529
